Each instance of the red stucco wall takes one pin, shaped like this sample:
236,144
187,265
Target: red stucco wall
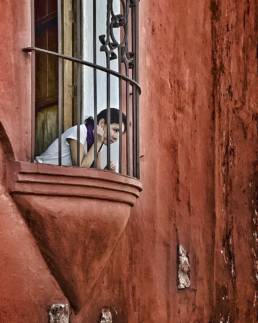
199,141
25,281
198,168
15,75
177,141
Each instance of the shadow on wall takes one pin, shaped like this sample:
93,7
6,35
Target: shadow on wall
6,153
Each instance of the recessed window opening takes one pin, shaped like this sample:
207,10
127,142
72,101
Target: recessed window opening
86,84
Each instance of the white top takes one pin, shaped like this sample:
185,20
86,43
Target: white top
50,156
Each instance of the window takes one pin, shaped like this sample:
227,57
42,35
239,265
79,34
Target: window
86,60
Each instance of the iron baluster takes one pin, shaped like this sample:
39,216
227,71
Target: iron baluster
60,82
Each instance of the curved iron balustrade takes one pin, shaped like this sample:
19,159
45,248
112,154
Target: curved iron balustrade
127,22
83,62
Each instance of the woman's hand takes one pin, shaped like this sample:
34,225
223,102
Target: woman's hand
100,134
112,166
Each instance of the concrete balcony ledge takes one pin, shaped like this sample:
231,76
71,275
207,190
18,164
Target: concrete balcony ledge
42,179
77,217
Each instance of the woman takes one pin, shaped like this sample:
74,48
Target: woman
69,141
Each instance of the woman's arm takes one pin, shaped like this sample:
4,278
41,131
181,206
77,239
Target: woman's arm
88,159
85,160
73,150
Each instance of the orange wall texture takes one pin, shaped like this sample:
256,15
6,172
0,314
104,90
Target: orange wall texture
199,115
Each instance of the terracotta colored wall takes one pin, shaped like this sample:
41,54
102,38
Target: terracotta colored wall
26,284
15,74
235,95
199,141
177,204
199,172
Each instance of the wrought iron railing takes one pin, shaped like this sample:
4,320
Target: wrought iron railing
124,49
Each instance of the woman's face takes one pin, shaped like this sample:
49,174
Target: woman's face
114,132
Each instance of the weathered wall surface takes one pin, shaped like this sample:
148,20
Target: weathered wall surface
235,95
177,204
26,284
199,169
198,165
15,75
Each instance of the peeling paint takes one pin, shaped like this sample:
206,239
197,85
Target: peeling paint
228,253
224,320
59,313
254,203
106,315
183,269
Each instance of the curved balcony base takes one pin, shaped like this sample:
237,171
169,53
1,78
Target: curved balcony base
76,220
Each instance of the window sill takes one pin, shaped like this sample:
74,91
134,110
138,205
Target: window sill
42,179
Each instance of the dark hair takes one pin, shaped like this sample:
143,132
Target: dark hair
114,118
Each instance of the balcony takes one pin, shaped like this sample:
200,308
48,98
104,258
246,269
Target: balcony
77,216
